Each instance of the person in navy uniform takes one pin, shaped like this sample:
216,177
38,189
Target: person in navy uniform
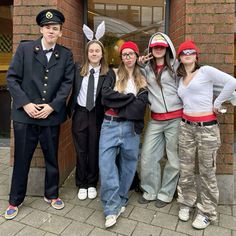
39,78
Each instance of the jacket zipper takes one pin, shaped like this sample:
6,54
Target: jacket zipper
164,100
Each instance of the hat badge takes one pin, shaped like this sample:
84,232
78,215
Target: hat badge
49,15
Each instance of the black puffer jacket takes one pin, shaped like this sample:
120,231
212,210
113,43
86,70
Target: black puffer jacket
127,106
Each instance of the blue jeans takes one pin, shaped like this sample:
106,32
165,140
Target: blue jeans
117,170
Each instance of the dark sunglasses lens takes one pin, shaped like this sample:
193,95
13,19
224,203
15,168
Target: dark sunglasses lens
188,52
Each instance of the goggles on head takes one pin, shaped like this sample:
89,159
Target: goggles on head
188,52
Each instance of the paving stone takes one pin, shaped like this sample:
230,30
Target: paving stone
2,219
29,231
165,220
227,221
133,200
79,213
67,193
166,232
76,201
40,204
68,207
233,233
50,234
36,218
101,232
96,204
186,227
29,199
6,171
77,229
23,212
2,167
55,224
70,181
146,230
216,231
224,209
10,228
3,205
174,209
4,190
3,178
96,219
124,226
128,210
143,215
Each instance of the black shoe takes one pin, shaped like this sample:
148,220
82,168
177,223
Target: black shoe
159,203
142,200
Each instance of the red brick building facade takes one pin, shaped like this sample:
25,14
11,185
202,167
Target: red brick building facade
209,23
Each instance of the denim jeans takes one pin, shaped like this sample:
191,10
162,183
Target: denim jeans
160,135
117,171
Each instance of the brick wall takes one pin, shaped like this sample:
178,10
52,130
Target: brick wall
25,27
210,24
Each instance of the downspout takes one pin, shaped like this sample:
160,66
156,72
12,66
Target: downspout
85,17
167,17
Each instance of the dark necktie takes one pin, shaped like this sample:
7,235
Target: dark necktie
90,91
47,51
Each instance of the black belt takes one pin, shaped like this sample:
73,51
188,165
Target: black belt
114,118
80,108
205,123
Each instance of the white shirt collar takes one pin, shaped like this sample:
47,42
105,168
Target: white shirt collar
43,46
96,69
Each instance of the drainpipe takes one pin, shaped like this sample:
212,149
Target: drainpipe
167,17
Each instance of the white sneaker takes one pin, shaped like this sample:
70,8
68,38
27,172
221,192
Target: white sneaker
82,194
184,214
111,219
201,222
92,193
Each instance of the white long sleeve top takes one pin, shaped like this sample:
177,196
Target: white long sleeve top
197,96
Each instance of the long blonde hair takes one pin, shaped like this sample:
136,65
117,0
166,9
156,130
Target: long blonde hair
103,63
123,76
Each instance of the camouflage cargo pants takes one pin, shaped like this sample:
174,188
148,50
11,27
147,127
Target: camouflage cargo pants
203,141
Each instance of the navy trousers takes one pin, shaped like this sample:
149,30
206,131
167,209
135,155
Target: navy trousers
27,137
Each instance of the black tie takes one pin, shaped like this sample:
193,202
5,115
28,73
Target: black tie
47,51
90,91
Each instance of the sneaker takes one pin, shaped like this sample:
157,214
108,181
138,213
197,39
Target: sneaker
92,193
201,222
82,194
11,212
143,200
111,219
159,203
57,203
184,214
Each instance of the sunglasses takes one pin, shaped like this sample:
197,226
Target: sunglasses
188,52
128,55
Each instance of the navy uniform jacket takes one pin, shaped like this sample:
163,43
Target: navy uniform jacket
31,78
99,108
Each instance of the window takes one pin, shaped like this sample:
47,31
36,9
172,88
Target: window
126,20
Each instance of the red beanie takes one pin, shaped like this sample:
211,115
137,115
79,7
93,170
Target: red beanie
130,45
188,44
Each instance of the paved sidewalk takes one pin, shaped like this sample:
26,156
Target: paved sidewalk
36,218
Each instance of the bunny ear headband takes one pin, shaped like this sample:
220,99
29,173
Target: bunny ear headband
99,33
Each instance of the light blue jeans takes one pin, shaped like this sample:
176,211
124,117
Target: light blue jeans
117,170
160,135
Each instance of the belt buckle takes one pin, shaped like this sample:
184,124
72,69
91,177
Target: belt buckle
194,123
